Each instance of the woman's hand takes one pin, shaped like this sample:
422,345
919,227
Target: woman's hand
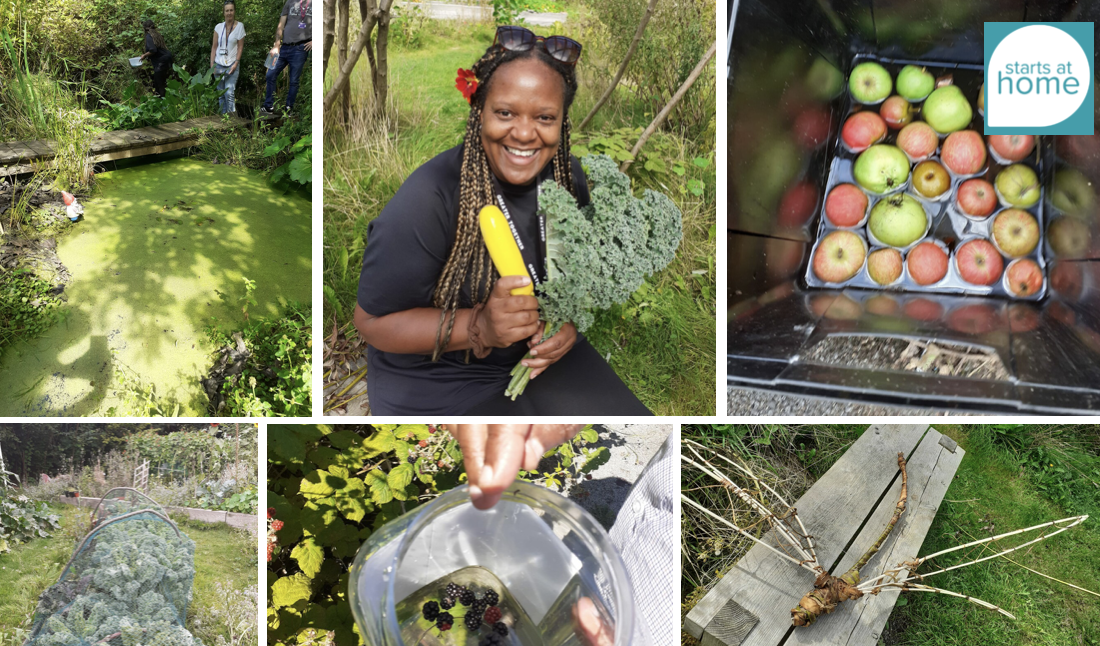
309,46
590,626
494,453
274,51
146,55
507,319
231,70
551,350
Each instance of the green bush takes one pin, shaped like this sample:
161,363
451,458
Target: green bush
22,520
198,97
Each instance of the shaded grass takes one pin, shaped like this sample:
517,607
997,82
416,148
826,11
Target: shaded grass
1000,486
662,343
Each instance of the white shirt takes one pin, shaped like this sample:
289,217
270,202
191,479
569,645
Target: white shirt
226,53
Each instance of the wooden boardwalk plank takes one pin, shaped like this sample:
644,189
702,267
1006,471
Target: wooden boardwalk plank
835,507
930,468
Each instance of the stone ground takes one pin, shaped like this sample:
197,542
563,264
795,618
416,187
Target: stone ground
631,446
748,402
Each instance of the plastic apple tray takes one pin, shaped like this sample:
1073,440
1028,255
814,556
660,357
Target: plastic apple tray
948,226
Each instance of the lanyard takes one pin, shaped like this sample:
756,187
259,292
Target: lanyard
226,32
306,4
530,256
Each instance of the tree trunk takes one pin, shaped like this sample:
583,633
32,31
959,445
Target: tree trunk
353,55
342,53
382,79
622,67
659,119
329,21
370,5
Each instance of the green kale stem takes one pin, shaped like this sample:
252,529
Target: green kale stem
521,374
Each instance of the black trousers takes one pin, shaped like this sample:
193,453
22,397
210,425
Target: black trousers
160,77
580,383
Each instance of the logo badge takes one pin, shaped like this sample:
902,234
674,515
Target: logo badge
1039,78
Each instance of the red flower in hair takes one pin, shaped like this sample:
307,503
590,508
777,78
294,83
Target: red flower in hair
466,83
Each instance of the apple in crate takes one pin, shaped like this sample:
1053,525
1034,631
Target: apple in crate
1072,193
981,98
1024,277
947,110
918,140
915,83
1016,232
979,262
839,256
898,221
870,82
963,152
884,265
1014,148
896,111
1019,186
862,130
976,198
881,168
846,205
927,263
930,179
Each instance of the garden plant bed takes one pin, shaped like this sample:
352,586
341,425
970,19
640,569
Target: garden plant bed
240,521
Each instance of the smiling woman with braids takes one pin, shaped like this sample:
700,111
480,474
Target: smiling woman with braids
442,327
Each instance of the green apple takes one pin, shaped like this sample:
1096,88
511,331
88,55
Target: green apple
915,83
947,110
1072,193
1018,186
898,221
981,99
881,168
870,83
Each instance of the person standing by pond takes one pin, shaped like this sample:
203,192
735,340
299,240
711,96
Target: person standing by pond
225,56
293,43
443,330
156,50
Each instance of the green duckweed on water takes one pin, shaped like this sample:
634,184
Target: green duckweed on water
163,247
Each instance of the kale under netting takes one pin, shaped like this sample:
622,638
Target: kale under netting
129,585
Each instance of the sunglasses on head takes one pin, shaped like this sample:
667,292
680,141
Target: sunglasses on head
521,39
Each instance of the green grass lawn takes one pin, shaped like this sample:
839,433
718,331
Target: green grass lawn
1010,478
662,343
222,554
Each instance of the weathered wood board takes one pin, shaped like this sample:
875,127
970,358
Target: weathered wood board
25,156
862,486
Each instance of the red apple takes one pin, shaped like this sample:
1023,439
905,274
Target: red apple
839,256
846,205
1016,232
977,318
1024,277
811,127
1012,148
918,140
979,262
977,198
896,112
927,263
884,265
882,305
963,152
862,130
923,309
797,205
1067,279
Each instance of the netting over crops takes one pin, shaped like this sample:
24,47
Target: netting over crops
128,582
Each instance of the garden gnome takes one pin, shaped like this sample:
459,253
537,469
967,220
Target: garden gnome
72,208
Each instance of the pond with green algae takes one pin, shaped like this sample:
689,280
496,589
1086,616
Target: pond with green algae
162,248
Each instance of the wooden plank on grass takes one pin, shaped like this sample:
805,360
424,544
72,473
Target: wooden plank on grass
930,469
832,510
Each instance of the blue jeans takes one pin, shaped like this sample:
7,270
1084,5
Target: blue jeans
294,56
227,82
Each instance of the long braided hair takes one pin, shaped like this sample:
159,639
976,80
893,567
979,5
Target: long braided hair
151,28
468,263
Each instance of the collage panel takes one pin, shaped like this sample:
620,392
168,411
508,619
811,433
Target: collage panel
520,208
155,211
890,533
471,534
135,533
890,251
